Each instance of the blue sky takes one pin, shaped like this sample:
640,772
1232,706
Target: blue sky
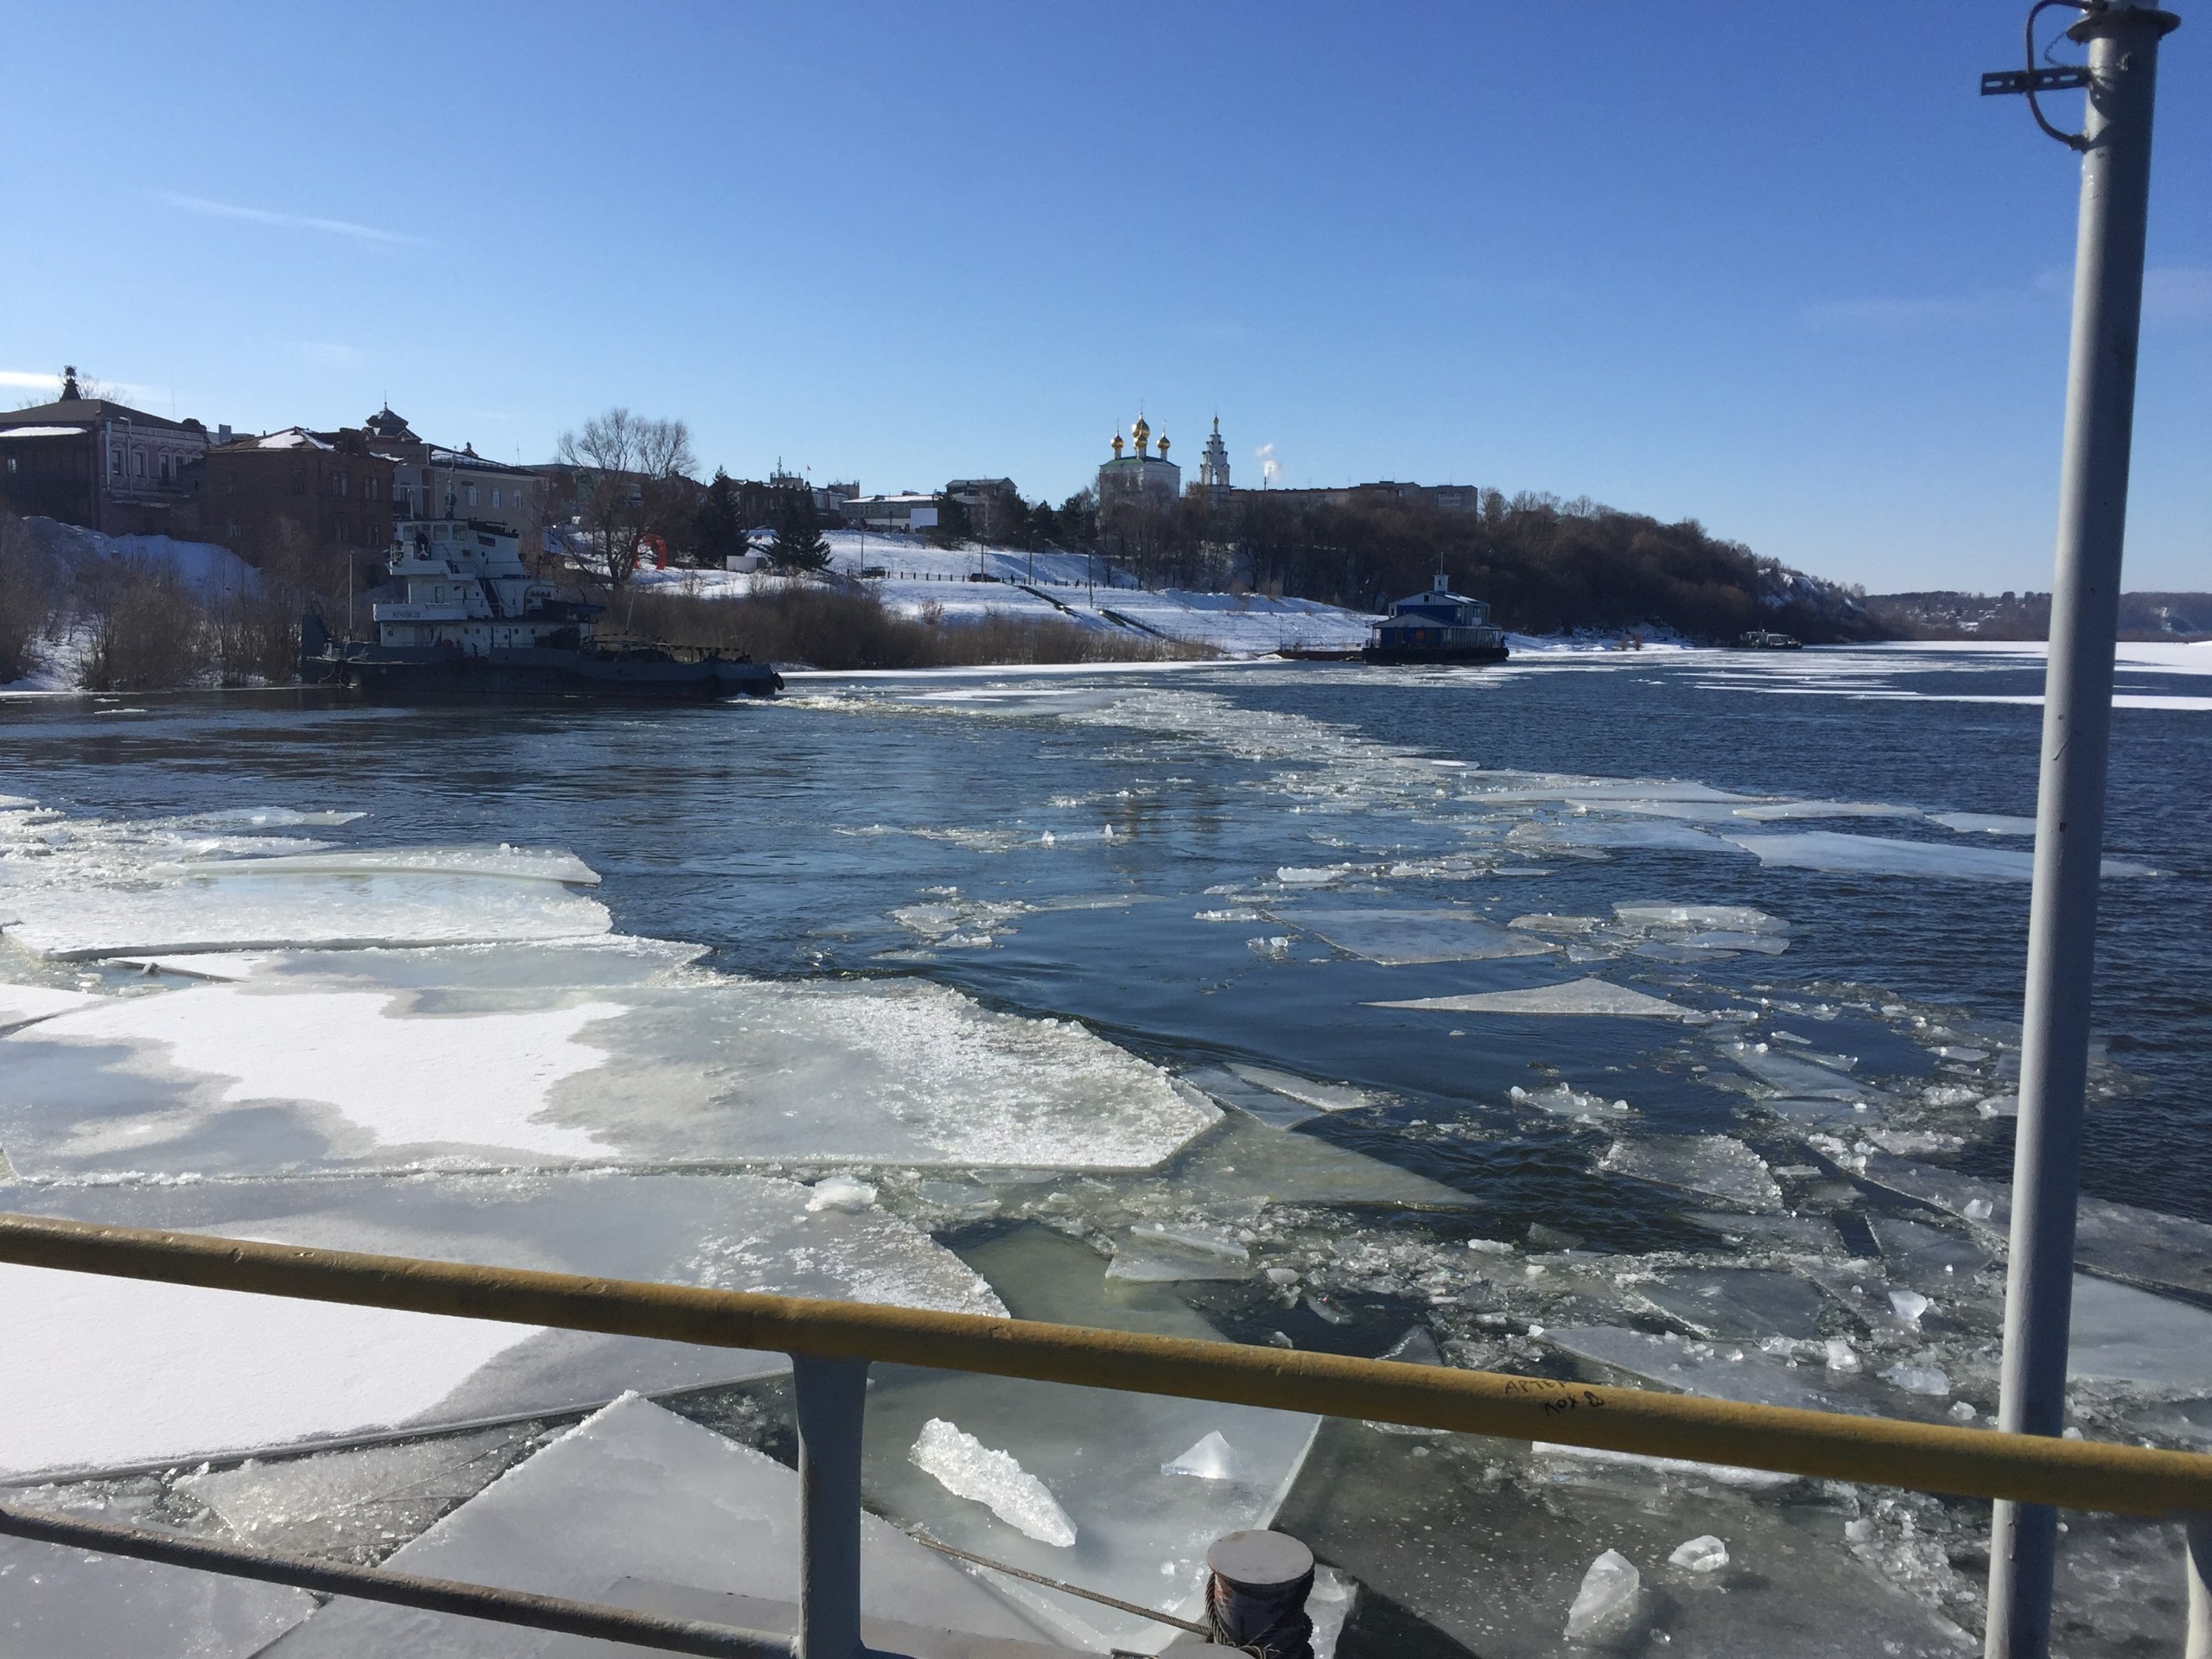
1773,267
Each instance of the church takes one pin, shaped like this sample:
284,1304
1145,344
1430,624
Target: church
1140,476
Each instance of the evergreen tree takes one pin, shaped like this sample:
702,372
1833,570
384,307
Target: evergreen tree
717,530
800,544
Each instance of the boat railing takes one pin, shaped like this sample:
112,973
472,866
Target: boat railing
831,1344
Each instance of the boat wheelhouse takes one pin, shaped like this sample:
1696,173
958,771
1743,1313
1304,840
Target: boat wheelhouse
468,590
1437,626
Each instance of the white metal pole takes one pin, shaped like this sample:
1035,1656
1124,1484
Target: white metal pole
2123,42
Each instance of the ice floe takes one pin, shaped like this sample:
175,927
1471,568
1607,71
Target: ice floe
116,1370
1712,1164
1578,996
290,1075
634,1499
1825,849
1397,937
72,1604
20,1005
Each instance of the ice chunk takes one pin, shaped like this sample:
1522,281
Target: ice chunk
1827,849
1396,937
1768,811
1739,1302
1561,1100
117,1370
1910,1305
637,1493
1841,1356
1712,1164
1211,1458
1918,1379
22,1004
1728,918
70,1604
1322,1097
1606,1601
1718,1473
1984,824
840,1192
1154,1254
195,913
964,1467
512,863
1800,1078
1726,1371
264,818
1577,997
1702,1555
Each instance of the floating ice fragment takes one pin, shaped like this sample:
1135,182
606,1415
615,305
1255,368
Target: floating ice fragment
1398,937
1578,996
1297,875
1984,824
1841,1356
1165,1254
1910,1305
1827,849
512,863
1930,1380
1962,1411
1562,1100
1731,918
264,818
964,1467
1211,1458
1323,1096
1702,1555
1978,1210
1275,947
1712,1164
840,1192
1607,1599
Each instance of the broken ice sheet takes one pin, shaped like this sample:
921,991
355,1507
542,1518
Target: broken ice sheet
70,1604
1984,824
1802,1079
636,1492
20,1005
1827,849
194,911
238,1371
1156,1253
2128,1336
1100,1453
1578,996
1738,1303
1712,1164
1725,1370
282,1075
1398,937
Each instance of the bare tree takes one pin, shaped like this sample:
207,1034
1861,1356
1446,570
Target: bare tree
632,484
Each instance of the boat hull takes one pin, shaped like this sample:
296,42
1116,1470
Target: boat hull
1435,656
399,674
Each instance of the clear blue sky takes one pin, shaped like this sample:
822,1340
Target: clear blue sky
1772,266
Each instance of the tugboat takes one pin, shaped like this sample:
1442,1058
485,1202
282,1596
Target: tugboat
1767,639
1437,626
475,622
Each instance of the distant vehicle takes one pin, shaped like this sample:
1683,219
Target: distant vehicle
476,622
1766,639
1438,627
873,573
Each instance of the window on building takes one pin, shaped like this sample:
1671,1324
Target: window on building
115,462
341,483
472,495
138,464
11,464
495,495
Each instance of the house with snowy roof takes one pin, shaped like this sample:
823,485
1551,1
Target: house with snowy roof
101,464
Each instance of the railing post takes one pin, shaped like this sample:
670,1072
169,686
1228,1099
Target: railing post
832,1397
2123,54
2196,1560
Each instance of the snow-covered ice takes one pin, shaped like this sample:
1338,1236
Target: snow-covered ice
237,1371
967,1468
22,1004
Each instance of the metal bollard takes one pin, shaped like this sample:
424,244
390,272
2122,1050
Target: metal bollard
832,1396
1255,1594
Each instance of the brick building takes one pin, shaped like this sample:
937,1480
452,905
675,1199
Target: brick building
101,464
294,491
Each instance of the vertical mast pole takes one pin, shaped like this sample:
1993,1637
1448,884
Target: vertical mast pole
2123,41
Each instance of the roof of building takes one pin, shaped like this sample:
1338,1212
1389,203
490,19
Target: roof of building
89,411
467,461
43,431
386,424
